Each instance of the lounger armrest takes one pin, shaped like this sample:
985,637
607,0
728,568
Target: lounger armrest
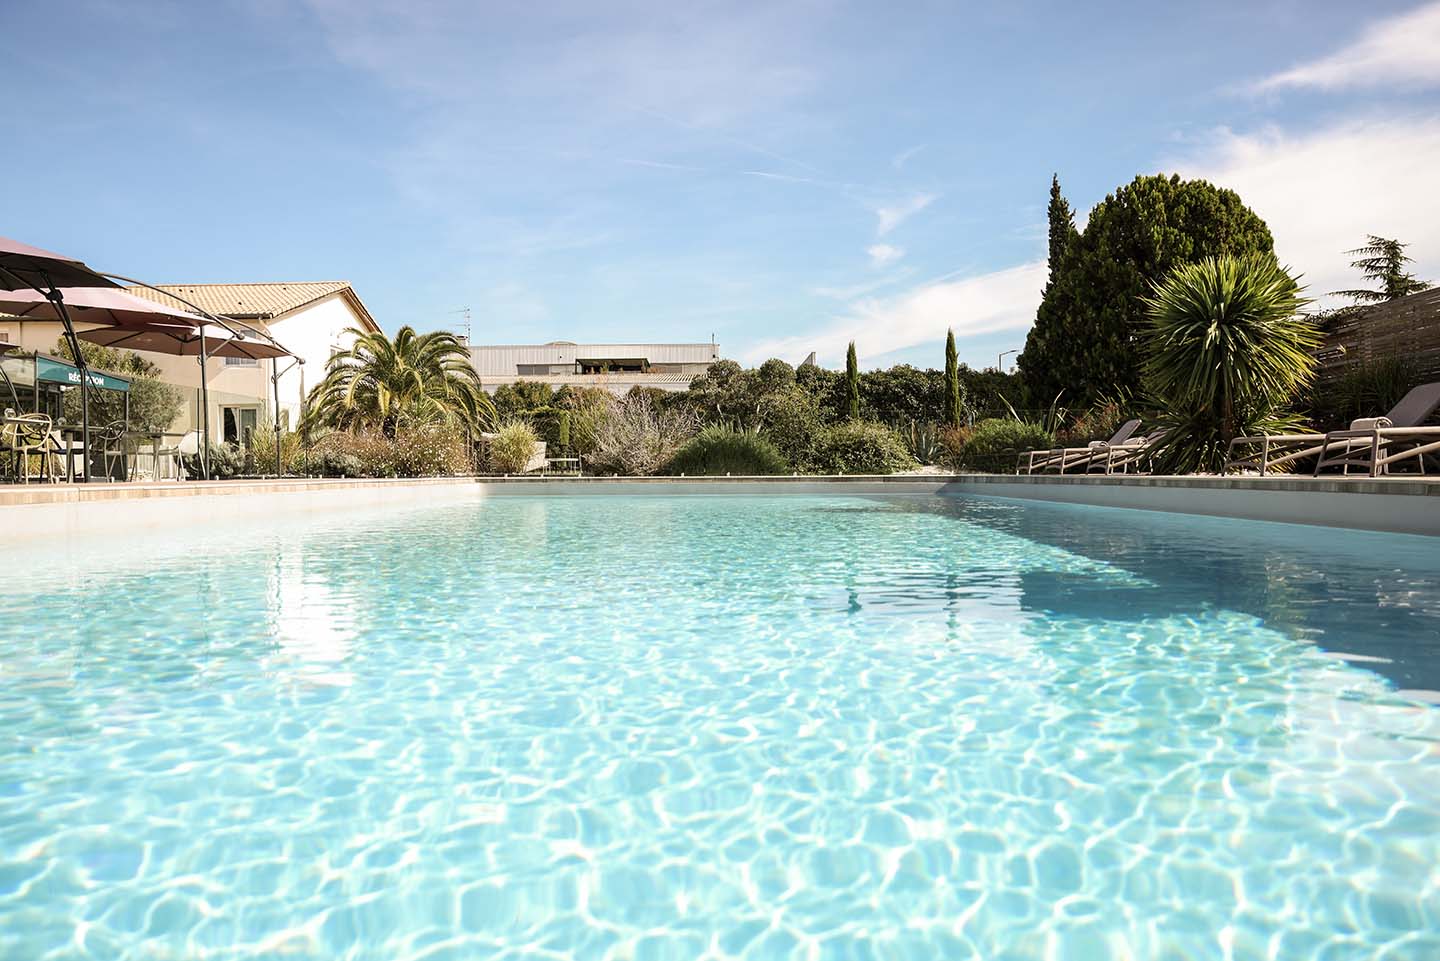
1272,438
1407,431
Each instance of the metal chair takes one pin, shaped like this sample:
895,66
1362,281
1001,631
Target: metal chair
24,436
110,441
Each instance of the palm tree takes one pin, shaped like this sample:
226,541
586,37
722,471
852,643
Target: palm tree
383,383
1226,351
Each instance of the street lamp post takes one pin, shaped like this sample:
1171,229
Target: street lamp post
1000,361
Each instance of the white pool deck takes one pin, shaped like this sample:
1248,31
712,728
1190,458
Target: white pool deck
1406,505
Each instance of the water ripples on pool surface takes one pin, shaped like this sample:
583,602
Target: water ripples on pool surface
760,728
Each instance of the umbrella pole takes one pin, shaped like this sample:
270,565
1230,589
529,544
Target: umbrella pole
204,412
275,383
53,295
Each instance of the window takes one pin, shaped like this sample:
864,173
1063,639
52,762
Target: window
239,424
241,362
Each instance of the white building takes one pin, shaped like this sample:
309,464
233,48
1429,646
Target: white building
310,319
616,367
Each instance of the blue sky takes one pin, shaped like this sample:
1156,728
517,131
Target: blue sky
783,175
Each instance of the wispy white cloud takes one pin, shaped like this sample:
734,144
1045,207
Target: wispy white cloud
982,304
882,255
786,178
1398,51
662,165
848,292
905,156
890,216
1322,190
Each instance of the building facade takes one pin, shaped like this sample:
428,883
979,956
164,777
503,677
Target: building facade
615,367
313,320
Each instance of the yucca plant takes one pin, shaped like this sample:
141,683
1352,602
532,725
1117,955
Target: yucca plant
1226,351
413,378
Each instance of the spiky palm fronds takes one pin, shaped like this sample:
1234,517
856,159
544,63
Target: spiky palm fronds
1227,350
1227,332
383,383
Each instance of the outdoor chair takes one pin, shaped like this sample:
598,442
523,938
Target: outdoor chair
1133,457
24,436
110,442
1265,452
1376,443
1061,459
187,446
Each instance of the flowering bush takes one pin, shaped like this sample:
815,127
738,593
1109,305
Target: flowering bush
636,438
422,451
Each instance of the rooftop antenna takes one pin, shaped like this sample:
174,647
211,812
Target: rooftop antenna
465,313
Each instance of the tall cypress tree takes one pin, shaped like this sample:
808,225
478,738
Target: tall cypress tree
954,392
1062,226
852,383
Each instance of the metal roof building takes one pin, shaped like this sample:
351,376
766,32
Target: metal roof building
616,367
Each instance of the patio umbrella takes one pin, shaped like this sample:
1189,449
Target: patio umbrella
242,342
233,340
25,267
134,323
184,341
93,305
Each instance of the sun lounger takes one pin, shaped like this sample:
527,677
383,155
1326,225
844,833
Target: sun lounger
1063,459
1265,452
1133,456
1376,443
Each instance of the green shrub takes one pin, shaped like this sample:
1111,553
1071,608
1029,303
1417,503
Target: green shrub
1365,389
862,447
994,445
952,441
716,451
794,423
226,461
332,463
512,447
262,450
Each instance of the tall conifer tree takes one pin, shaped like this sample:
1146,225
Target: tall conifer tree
852,383
954,393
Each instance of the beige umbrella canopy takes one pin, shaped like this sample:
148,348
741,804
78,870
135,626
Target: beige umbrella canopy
184,341
92,305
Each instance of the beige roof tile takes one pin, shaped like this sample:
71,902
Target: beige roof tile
253,301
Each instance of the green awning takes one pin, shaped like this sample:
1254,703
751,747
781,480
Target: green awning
59,372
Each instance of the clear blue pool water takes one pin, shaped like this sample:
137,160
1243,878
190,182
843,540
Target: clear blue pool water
723,727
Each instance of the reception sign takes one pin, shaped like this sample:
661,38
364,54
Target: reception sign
59,372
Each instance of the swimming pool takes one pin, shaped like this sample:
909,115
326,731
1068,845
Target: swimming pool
659,727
